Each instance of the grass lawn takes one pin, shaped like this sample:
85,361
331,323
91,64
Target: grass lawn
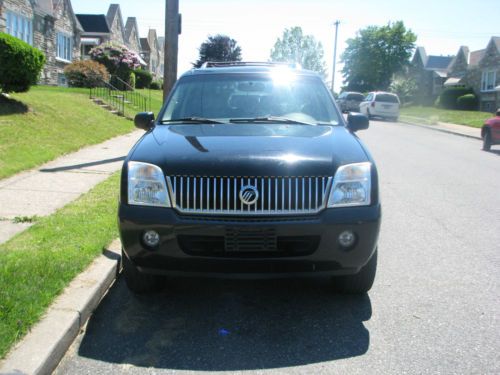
431,115
156,98
46,122
37,264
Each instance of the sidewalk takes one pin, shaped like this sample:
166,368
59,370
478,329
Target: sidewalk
462,130
41,191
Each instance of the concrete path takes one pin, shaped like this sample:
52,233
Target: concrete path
41,191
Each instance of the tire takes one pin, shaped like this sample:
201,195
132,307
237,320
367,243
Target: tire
137,281
487,141
368,114
359,283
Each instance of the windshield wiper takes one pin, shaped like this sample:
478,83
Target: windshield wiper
196,120
278,119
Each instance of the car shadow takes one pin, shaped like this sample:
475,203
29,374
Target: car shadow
228,325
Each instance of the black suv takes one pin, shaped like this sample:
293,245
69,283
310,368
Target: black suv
249,171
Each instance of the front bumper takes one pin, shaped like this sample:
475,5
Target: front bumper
205,246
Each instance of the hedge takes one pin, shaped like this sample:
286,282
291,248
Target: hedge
20,64
449,96
467,102
143,79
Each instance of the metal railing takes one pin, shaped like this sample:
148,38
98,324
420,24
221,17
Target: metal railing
126,102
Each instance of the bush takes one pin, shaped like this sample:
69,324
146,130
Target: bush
143,79
132,80
449,96
86,73
467,102
118,60
156,85
20,64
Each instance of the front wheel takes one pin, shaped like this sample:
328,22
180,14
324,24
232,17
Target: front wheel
487,141
137,281
359,283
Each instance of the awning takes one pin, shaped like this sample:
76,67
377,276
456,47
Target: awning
440,73
143,63
90,41
452,82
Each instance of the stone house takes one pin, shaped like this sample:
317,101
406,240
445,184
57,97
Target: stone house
479,70
132,39
115,23
49,25
95,32
429,72
152,55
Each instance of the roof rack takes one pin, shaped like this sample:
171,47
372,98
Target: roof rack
221,64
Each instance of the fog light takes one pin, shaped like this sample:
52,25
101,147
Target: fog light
151,238
346,238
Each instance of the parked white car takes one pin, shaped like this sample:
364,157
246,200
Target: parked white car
380,104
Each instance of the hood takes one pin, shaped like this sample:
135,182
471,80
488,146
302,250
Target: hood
248,149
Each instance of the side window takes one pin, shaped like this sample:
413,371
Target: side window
368,98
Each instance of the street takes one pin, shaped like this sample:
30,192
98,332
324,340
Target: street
434,307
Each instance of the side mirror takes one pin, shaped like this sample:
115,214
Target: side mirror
144,120
357,121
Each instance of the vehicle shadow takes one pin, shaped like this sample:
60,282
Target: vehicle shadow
228,325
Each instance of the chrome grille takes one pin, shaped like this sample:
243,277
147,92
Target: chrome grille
220,195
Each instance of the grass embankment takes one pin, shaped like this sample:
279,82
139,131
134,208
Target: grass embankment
156,99
36,265
431,116
46,122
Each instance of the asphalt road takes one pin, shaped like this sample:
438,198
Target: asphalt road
434,307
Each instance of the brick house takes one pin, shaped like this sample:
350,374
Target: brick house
49,25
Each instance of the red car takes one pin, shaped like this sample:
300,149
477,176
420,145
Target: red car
490,132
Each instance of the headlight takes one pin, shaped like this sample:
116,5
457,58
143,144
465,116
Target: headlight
351,186
146,185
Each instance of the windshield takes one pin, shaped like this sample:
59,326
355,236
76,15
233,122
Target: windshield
272,97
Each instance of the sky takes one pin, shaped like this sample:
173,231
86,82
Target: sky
441,26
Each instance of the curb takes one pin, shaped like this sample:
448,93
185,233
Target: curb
44,346
441,130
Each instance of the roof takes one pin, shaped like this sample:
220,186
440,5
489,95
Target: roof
438,62
129,26
45,7
145,44
496,40
93,23
247,67
476,56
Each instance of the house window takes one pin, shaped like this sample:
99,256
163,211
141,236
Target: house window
19,26
64,47
488,81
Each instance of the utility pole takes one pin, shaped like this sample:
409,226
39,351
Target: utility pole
335,53
171,48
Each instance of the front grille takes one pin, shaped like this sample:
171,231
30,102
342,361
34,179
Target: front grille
221,195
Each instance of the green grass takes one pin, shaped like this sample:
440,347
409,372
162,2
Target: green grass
431,116
37,264
156,98
46,122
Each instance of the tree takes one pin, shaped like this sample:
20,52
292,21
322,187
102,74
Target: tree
295,47
375,55
20,64
218,48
